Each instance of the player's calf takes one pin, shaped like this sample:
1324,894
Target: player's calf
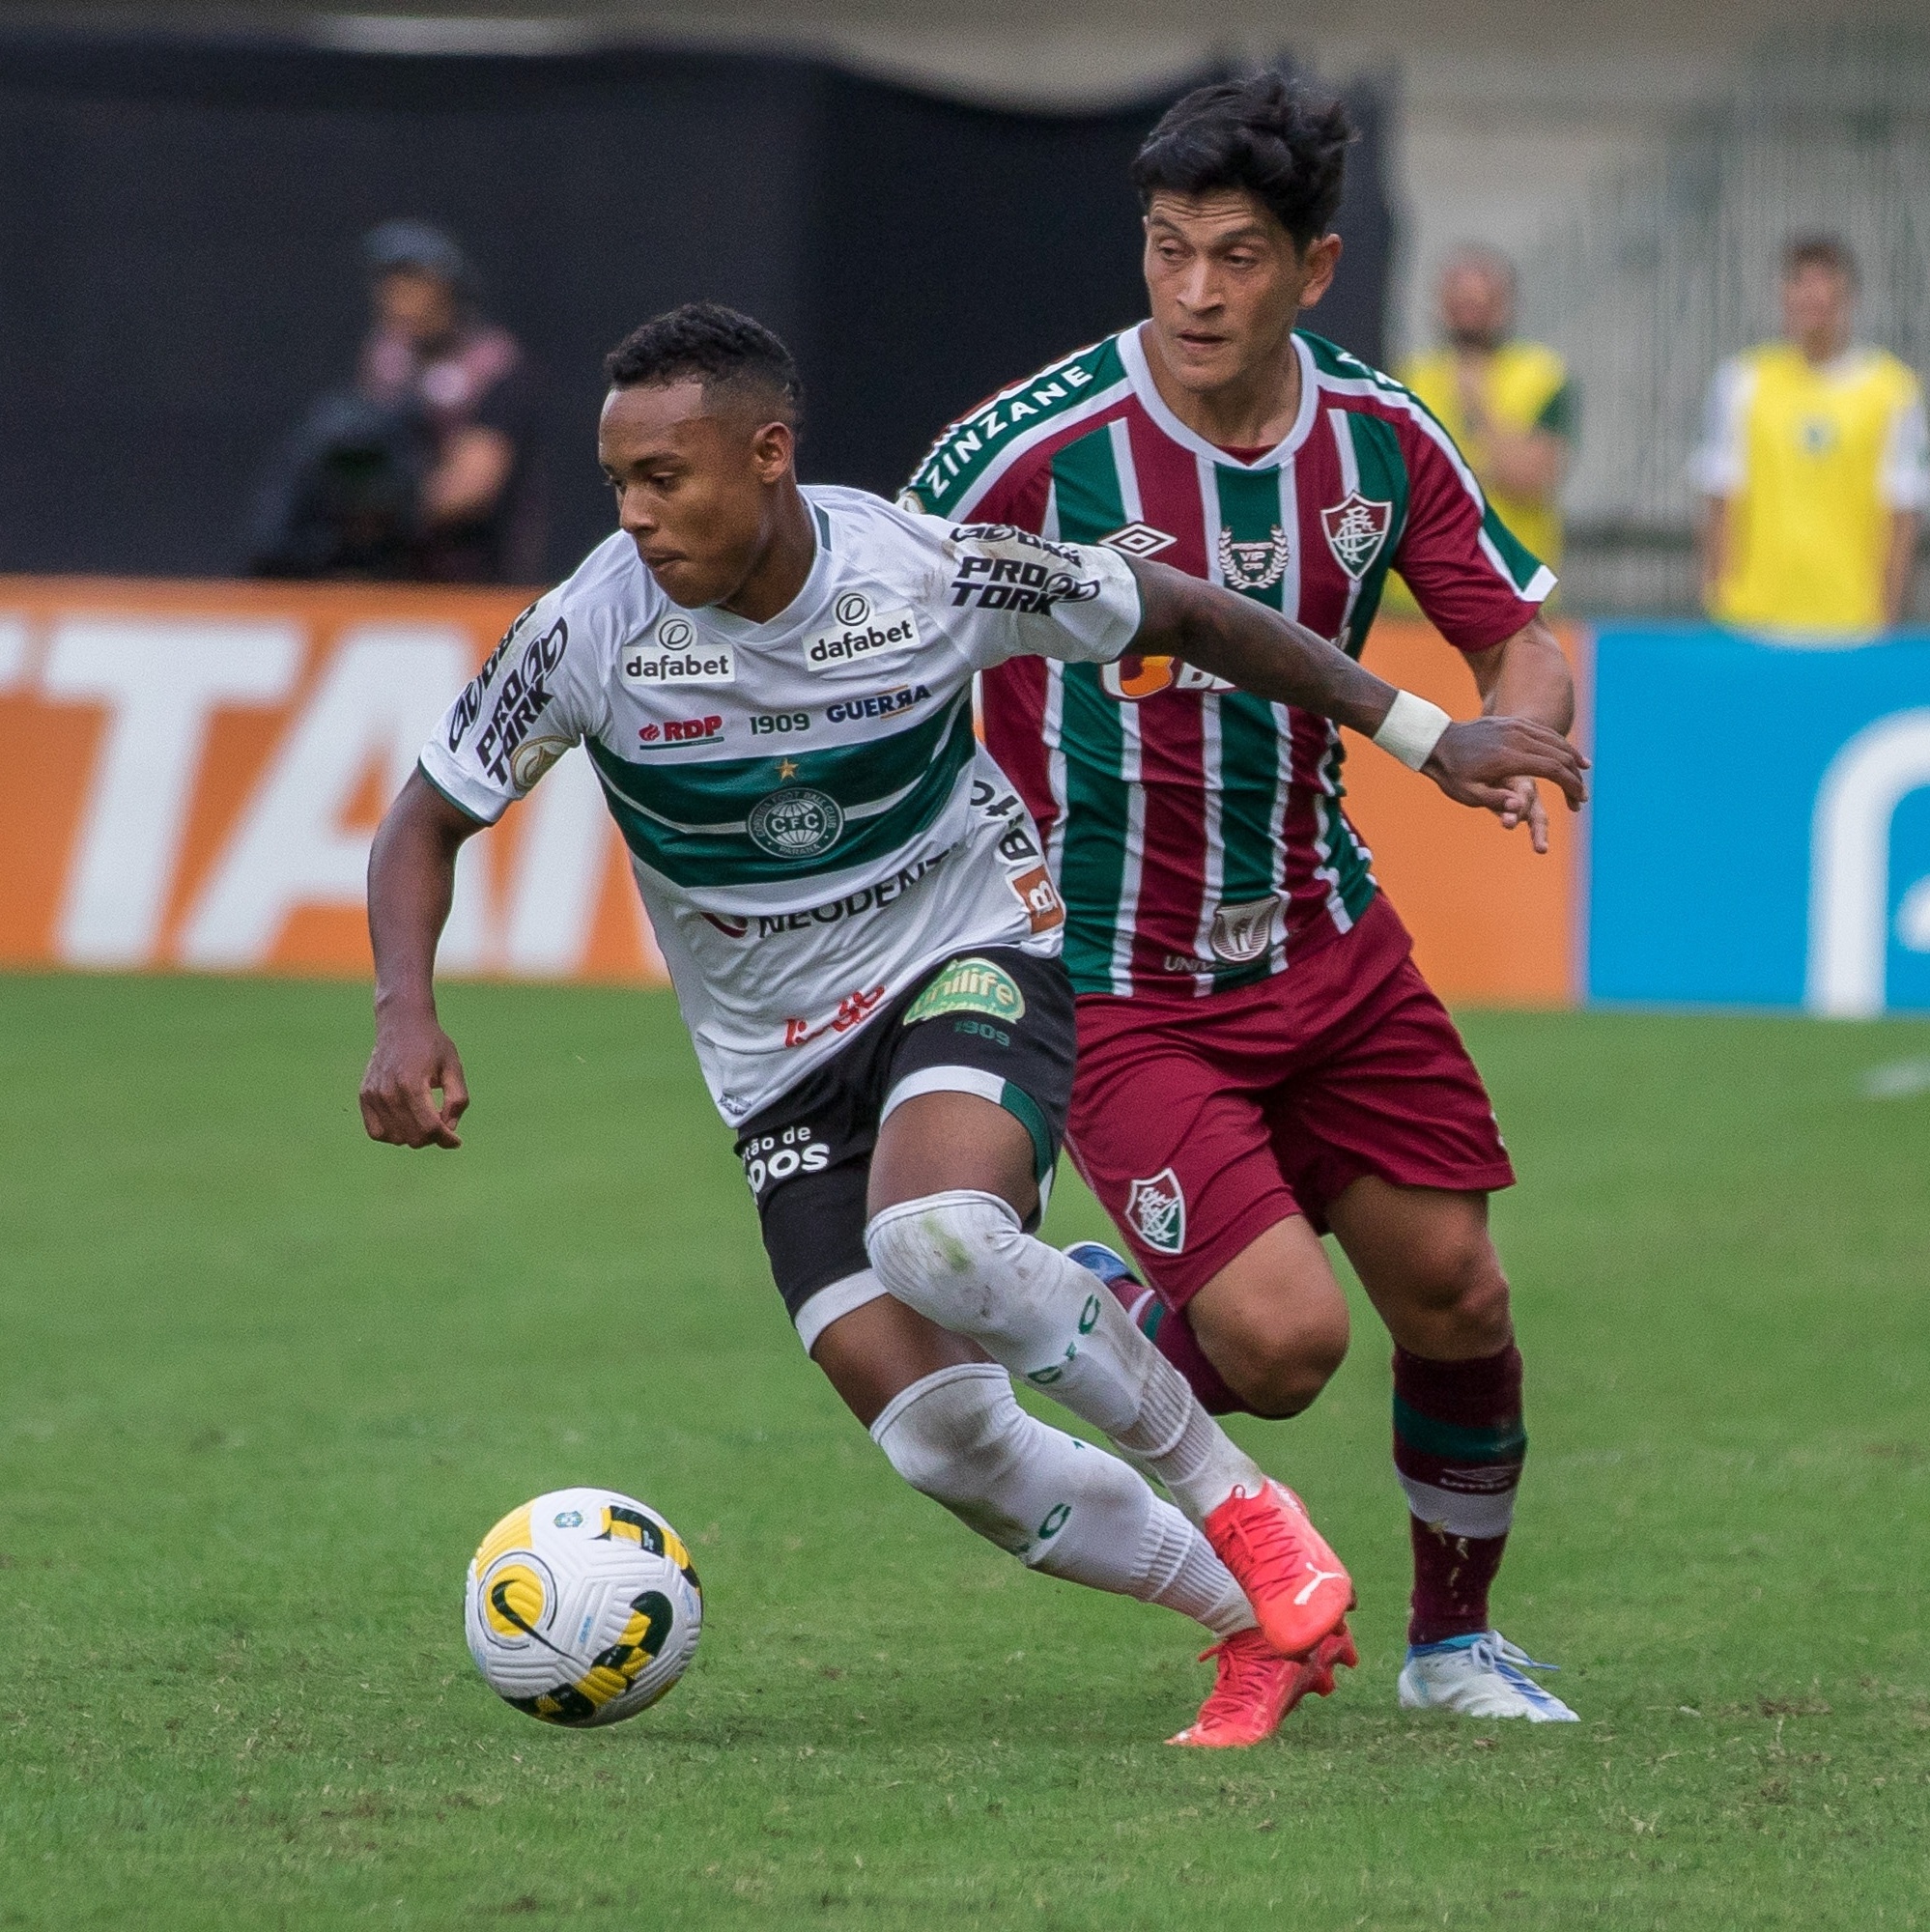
961,1260
1057,1504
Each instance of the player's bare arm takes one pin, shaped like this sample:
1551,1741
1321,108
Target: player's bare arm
1480,762
412,881
1526,677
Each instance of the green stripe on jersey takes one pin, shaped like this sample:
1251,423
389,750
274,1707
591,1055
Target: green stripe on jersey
1086,487
1521,564
1092,864
966,450
745,822
1091,727
1383,479
1338,843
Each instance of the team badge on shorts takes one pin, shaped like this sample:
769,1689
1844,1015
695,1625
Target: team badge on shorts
1156,1209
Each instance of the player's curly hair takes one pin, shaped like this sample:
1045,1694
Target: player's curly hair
1266,134
714,344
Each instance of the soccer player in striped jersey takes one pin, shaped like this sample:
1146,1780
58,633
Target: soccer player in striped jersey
1260,1061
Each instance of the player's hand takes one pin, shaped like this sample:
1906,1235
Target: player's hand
413,1059
1485,762
1525,807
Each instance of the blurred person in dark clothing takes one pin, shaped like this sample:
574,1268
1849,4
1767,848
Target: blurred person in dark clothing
427,468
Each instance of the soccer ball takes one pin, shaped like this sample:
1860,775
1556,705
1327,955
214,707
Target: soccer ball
583,1607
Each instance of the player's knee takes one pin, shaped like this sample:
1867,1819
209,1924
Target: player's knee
1279,1366
1457,1284
955,1257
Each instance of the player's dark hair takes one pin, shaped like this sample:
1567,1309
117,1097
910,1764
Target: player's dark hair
713,344
1265,135
1819,251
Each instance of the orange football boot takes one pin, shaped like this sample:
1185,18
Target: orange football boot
1299,1588
1254,1687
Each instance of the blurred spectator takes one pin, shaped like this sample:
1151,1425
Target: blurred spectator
1813,463
427,468
1509,403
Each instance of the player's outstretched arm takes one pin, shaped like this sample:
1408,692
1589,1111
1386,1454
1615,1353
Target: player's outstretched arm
1526,676
412,881
1476,763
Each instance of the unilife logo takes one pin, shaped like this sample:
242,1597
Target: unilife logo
874,634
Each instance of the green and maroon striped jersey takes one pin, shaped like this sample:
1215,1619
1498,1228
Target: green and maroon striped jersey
1196,832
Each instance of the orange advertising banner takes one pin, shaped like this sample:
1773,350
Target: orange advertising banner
191,774
1494,924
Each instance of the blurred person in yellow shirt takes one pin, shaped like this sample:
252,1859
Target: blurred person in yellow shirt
1814,468
1509,403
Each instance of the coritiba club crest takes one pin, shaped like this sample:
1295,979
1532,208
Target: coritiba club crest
1253,566
1157,1211
1357,527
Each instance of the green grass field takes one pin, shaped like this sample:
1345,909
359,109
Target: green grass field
263,1386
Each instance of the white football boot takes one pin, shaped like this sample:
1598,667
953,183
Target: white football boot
1480,1676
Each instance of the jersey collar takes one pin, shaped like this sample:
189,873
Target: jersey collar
1132,353
798,613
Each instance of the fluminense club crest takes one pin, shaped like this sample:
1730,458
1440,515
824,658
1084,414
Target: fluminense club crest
1253,566
1157,1211
1357,527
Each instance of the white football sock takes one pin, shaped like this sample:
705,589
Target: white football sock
1056,1503
962,1261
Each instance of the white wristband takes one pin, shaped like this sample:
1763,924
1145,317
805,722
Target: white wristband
1412,728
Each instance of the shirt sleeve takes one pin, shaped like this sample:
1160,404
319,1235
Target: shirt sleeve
1718,467
533,698
1475,579
1904,481
1009,594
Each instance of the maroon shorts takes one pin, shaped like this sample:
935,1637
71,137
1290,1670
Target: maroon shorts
1199,1123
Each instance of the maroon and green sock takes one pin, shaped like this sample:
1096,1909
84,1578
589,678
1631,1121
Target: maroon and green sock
1458,1446
1172,1334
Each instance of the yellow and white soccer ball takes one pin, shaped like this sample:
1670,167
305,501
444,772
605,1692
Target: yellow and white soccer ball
583,1608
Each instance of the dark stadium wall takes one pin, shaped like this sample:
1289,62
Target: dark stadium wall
179,276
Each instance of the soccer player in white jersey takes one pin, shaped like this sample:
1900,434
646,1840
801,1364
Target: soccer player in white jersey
1260,1059
775,687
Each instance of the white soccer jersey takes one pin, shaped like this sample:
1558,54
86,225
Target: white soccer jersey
810,818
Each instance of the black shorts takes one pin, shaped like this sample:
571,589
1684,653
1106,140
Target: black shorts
996,1022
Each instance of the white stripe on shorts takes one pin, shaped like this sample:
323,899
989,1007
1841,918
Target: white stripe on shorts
835,1298
944,1080
959,1080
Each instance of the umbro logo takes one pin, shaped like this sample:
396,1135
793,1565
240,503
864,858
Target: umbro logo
1139,540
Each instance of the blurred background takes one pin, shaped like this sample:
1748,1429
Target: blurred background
924,205
266,274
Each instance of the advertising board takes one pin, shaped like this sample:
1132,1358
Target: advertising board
1761,824
190,775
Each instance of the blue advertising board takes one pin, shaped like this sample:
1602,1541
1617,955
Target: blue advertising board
1760,834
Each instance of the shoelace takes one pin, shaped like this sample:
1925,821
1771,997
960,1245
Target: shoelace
1240,1665
1269,1541
1491,1649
